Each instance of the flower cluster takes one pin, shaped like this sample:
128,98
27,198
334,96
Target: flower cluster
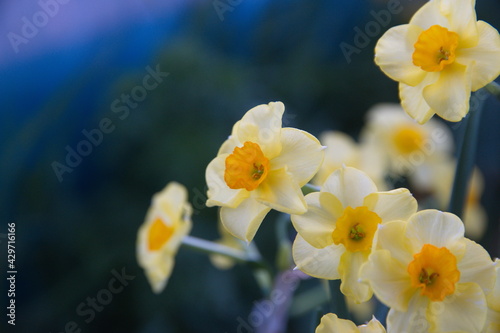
352,224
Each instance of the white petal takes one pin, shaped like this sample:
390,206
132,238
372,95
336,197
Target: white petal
390,236
477,266
320,263
413,102
350,186
242,222
393,53
463,311
349,268
280,191
330,323
434,227
171,200
462,19
262,125
393,205
494,296
388,279
301,154
449,95
219,194
484,56
317,224
429,15
373,326
412,321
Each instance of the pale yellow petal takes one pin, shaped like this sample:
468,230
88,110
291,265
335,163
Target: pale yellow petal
484,56
320,263
449,95
413,102
159,275
412,321
317,224
393,53
350,186
434,227
171,199
393,205
462,19
428,15
242,222
232,141
262,125
330,323
373,326
301,154
390,236
388,279
280,191
219,194
463,311
351,286
494,296
476,266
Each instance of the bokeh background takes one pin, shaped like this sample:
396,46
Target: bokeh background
222,58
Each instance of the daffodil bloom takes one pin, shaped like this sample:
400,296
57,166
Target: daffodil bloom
330,323
335,235
431,276
342,150
442,55
406,146
260,167
167,222
493,300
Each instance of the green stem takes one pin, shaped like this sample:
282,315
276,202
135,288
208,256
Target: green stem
465,160
209,247
493,88
252,257
337,300
308,188
284,252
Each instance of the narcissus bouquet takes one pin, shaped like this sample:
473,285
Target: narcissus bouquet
351,205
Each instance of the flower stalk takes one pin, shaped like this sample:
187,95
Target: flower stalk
252,257
465,160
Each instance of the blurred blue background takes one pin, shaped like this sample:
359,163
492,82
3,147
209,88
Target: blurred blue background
65,72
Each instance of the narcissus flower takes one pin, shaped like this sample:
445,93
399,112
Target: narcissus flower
432,278
330,323
442,55
335,235
260,167
167,221
406,146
